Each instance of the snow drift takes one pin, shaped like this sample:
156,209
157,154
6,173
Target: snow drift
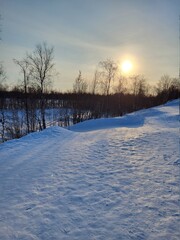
114,178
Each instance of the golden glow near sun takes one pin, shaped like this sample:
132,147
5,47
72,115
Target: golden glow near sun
126,66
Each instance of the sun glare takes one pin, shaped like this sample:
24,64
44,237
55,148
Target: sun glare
126,66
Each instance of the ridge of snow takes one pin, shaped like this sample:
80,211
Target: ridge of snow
120,182
132,120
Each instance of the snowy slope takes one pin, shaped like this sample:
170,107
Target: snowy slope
119,181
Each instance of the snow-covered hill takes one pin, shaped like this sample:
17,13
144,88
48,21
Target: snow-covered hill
103,179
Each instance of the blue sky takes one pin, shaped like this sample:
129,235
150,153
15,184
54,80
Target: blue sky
84,32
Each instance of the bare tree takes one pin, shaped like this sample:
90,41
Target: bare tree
95,82
41,62
167,87
120,89
3,87
108,69
2,77
139,90
80,85
176,83
26,71
138,85
164,83
121,85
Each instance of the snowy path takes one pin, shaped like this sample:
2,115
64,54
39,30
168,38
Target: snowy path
113,183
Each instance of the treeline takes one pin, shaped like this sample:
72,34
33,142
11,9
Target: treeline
31,105
65,109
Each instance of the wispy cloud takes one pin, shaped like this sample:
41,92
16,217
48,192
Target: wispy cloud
85,32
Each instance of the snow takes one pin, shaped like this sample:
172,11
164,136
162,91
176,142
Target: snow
115,178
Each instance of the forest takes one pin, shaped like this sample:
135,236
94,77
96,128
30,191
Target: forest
33,105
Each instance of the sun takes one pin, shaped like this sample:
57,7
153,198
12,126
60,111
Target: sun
126,66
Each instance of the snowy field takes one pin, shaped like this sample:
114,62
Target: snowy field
114,179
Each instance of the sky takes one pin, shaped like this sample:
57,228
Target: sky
85,32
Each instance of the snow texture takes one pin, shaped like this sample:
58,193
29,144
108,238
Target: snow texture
115,178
